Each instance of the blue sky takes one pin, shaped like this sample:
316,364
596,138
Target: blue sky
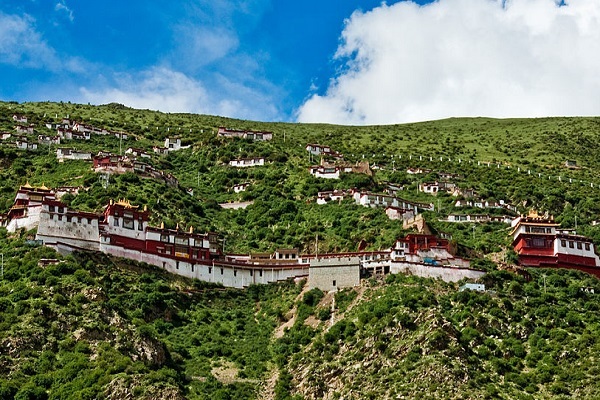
343,61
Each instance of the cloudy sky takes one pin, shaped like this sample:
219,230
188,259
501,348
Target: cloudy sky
339,61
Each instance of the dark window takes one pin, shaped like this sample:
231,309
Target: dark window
260,272
579,246
51,208
563,243
177,264
234,272
334,283
192,267
221,271
116,222
587,246
251,272
140,226
571,244
210,270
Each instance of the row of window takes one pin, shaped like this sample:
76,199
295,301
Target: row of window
537,229
128,223
572,244
56,209
260,271
76,220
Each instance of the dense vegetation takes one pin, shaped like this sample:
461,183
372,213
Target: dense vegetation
96,327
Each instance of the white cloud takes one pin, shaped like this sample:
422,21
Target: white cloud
22,45
200,45
161,88
62,6
515,58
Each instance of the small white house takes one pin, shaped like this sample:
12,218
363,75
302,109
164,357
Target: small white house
137,152
320,171
174,144
318,149
247,162
23,144
429,187
241,187
478,287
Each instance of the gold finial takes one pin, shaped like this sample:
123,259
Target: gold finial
177,227
27,185
162,225
111,202
533,213
145,207
191,229
43,187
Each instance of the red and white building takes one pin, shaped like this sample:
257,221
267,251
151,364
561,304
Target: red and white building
123,231
325,172
24,129
539,242
112,163
22,119
25,212
335,195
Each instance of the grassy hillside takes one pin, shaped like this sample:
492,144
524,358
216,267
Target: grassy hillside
526,167
96,327
416,338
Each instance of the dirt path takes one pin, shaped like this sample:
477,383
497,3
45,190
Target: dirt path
289,323
267,392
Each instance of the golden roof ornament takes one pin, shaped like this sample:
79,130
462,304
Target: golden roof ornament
126,204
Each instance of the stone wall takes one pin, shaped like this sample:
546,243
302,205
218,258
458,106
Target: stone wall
334,273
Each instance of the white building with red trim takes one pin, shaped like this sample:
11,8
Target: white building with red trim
325,172
539,242
25,212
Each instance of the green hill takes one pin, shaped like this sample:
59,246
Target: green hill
96,327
